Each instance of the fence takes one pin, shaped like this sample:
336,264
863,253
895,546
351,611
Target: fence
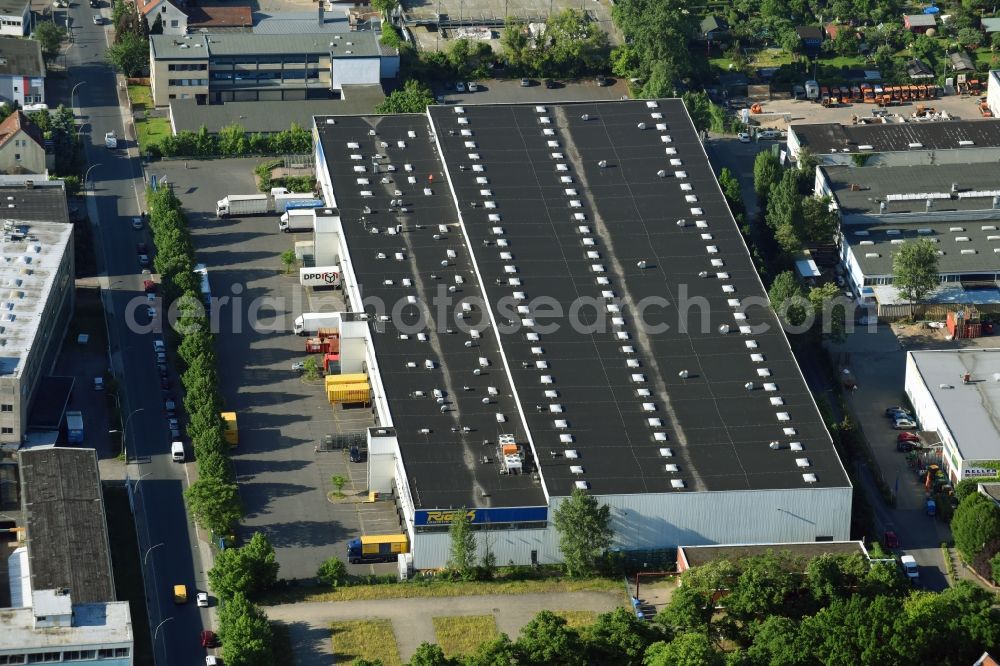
342,441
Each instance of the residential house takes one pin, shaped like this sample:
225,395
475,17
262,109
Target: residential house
22,71
918,69
219,18
171,15
15,18
22,148
714,28
811,38
919,23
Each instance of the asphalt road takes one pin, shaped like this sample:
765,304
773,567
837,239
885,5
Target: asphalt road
166,537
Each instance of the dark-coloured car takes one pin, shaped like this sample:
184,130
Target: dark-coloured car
141,248
551,84
603,81
890,540
904,445
209,639
355,454
892,412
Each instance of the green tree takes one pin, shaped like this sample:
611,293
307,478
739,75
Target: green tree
731,190
462,561
289,260
923,47
232,140
585,532
851,631
766,174
497,652
764,587
830,308
414,97
50,37
547,641
788,299
820,224
976,530
776,642
691,649
995,41
338,481
214,504
332,572
248,570
619,637
212,463
385,7
689,609
699,107
915,269
573,45
130,55
245,632
429,654
970,38
657,34
311,368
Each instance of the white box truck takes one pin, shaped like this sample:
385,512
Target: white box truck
311,322
242,204
909,564
177,451
298,219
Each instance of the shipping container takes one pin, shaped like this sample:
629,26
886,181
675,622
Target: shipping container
230,430
355,378
331,364
323,345
326,332
349,394
960,327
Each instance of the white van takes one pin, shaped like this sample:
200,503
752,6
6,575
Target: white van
177,451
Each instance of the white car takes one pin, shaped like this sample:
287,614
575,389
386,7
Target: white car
904,424
98,20
768,134
459,87
298,366
202,599
473,86
212,660
744,137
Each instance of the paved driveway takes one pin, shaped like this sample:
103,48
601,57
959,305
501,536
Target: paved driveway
309,623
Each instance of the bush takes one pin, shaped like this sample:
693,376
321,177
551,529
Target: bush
232,141
332,572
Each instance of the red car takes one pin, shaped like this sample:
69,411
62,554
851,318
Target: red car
907,437
890,540
209,639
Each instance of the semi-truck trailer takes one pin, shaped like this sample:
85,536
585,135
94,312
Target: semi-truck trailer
242,204
74,427
377,548
297,219
310,322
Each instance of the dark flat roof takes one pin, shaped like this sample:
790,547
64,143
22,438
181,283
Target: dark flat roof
698,555
885,238
271,117
717,430
891,137
21,57
36,204
444,466
67,537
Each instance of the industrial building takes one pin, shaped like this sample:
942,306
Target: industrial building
956,393
218,67
898,143
22,71
956,207
550,297
993,92
37,275
63,604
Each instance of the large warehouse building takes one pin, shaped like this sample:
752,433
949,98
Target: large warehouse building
555,297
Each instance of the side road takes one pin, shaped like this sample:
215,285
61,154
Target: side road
309,623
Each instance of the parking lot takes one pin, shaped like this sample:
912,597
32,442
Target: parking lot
285,482
508,91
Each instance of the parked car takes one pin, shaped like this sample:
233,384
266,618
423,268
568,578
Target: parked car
744,137
98,20
298,366
144,260
209,639
768,134
460,87
907,437
602,80
355,454
158,345
890,540
202,599
151,312
904,424
904,445
892,411
137,223
551,84
473,86
525,83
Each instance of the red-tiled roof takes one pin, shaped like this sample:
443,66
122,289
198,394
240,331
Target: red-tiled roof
18,121
219,17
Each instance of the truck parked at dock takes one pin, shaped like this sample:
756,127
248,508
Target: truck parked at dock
377,548
279,200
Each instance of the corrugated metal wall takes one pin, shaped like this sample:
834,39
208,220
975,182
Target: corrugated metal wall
669,520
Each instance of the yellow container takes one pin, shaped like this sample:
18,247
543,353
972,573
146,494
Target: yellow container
355,378
229,430
349,393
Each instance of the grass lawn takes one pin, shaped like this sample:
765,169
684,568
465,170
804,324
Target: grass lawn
141,96
442,588
461,634
151,130
772,57
364,639
577,619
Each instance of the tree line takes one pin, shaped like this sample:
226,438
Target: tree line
774,609
231,141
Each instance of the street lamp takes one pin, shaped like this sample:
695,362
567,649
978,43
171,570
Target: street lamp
72,93
145,557
86,176
124,430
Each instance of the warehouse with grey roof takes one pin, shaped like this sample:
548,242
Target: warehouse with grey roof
556,297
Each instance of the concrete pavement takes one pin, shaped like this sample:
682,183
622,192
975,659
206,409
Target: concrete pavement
309,623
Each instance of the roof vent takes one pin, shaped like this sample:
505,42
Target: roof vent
809,478
582,485
677,484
